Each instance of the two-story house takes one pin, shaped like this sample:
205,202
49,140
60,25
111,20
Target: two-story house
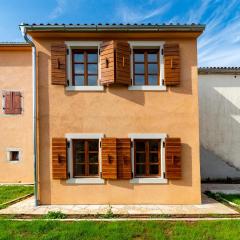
117,113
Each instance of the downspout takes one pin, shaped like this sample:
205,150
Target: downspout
34,98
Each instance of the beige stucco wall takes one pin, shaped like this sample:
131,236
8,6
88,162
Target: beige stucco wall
116,112
16,130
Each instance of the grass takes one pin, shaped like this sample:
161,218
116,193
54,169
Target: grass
235,198
9,193
136,230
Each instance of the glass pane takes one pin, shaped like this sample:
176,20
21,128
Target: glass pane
79,68
152,68
79,145
92,68
153,157
140,158
92,57
152,80
140,146
93,169
139,57
139,80
152,57
79,169
92,80
140,169
79,157
78,57
153,169
93,157
139,68
79,80
153,145
93,145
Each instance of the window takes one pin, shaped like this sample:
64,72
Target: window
84,67
85,158
12,102
147,157
146,67
13,154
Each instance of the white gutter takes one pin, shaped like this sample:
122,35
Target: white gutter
34,92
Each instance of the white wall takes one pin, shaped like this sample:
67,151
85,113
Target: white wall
219,99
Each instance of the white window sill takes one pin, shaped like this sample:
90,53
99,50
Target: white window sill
149,181
85,181
147,88
85,88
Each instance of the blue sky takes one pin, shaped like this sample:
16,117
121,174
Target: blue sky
218,46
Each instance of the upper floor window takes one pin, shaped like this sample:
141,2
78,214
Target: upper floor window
12,102
85,67
146,67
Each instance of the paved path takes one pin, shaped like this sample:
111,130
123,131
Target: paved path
209,206
223,188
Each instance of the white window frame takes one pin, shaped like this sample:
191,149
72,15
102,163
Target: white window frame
155,180
9,150
85,45
87,180
143,45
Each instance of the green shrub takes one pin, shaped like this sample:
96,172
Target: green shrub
55,215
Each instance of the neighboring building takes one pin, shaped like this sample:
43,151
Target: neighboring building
117,113
219,100
16,148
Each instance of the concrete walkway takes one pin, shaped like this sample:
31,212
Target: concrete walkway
209,206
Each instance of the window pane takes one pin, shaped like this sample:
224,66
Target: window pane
92,57
92,68
79,68
79,145
139,68
93,157
140,146
153,145
153,169
152,80
139,80
93,145
139,57
140,157
79,169
153,157
79,80
152,68
140,169
79,157
152,57
92,80
78,57
93,169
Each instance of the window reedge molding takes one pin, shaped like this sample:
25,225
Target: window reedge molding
14,149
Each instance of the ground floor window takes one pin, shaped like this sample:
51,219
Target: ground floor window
147,157
85,158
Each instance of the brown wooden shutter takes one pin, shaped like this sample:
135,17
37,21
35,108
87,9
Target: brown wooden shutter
124,158
171,64
58,62
109,158
107,63
59,158
16,102
173,158
8,103
123,72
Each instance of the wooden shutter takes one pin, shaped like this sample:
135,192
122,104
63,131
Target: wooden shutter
171,64
123,72
173,158
8,103
107,63
109,158
16,102
58,63
124,158
59,158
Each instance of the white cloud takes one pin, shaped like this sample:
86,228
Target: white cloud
58,10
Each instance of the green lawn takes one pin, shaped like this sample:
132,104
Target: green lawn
55,230
8,193
235,198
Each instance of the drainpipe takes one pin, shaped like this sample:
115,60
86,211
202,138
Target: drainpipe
34,92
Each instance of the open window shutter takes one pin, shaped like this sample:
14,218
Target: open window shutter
8,103
109,158
59,158
124,158
58,63
173,158
16,102
107,63
122,56
171,64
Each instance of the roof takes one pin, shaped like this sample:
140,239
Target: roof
113,27
15,46
219,70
